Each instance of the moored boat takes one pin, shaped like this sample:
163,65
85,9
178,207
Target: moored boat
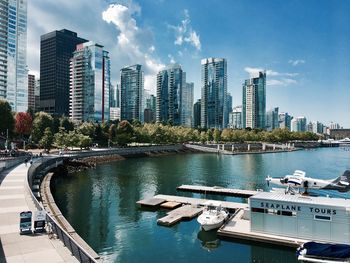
212,217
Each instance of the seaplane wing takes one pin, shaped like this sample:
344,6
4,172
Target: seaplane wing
299,180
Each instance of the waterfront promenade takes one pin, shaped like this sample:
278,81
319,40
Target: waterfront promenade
16,248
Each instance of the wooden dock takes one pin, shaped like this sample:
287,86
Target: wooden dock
152,202
183,212
200,202
217,190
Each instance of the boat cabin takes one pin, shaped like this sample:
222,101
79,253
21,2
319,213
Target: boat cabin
322,219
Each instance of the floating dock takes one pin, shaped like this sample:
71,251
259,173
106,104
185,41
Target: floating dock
217,190
183,212
239,227
160,199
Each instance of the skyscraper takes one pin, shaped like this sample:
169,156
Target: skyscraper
187,105
254,102
285,120
13,53
235,118
90,83
272,121
299,124
37,95
31,90
197,114
131,89
170,84
56,50
214,93
150,107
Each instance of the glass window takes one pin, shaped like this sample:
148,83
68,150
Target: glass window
323,218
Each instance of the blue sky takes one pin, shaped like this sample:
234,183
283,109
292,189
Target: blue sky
303,45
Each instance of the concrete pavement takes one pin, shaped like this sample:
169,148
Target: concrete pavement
16,248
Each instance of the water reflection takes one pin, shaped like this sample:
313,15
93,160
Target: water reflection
209,239
101,204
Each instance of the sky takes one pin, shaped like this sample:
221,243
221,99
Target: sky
304,46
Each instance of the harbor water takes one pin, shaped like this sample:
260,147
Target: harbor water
101,203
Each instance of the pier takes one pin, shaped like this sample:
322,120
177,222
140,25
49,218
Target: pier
217,190
183,212
238,227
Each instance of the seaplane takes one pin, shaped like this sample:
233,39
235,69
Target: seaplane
299,180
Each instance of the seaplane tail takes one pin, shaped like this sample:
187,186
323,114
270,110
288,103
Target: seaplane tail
341,183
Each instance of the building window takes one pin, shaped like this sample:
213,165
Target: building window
322,218
289,213
258,210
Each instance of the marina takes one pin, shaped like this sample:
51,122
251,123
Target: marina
217,190
107,197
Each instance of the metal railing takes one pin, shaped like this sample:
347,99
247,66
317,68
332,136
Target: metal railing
40,169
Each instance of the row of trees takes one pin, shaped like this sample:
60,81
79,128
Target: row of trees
44,131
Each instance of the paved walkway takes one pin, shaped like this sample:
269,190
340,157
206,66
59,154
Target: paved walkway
16,248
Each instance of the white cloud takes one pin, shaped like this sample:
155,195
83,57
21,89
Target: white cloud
296,62
184,33
172,60
279,78
130,41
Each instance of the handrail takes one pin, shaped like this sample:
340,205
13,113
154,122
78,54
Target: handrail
78,252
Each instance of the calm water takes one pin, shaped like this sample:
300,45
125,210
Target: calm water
100,203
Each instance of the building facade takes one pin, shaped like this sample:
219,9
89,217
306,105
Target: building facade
150,107
90,83
37,95
254,102
187,105
114,114
214,110
272,119
284,120
235,118
56,50
197,114
31,91
131,90
170,84
13,54
299,124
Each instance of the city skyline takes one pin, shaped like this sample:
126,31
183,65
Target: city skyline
305,54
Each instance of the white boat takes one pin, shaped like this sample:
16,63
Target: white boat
213,216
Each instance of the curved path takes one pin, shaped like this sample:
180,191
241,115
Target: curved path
16,248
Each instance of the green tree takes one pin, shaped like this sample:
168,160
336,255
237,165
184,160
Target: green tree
47,139
216,135
7,121
66,123
41,122
125,133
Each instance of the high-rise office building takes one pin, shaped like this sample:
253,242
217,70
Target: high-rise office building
197,114
37,95
299,124
56,50
235,118
112,96
117,95
150,107
284,120
214,93
254,102
13,54
131,90
31,91
90,83
272,120
170,83
187,105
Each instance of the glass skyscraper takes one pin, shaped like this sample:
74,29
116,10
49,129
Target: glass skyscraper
187,105
214,93
13,53
90,83
171,83
254,102
56,50
131,89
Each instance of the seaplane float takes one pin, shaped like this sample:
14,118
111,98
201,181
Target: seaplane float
298,180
